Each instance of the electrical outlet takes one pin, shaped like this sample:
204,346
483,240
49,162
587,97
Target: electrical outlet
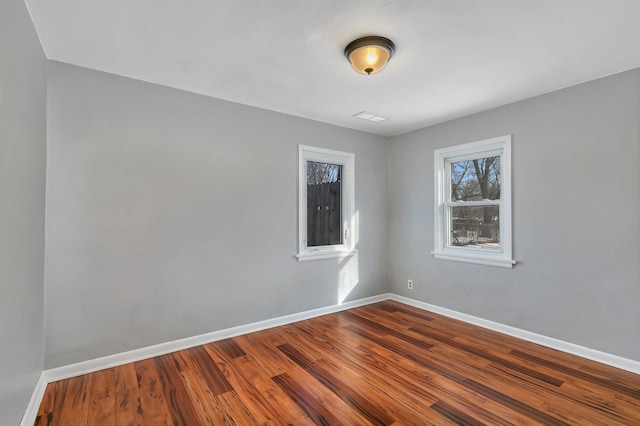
410,284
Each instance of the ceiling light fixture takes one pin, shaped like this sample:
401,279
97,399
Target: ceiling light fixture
370,54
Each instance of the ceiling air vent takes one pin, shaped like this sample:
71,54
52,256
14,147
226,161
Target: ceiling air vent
369,116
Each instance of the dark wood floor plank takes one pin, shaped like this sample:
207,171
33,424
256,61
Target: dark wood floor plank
102,400
391,401
75,407
206,405
384,330
403,317
230,348
508,343
267,396
633,392
128,406
209,370
180,406
323,396
292,334
337,373
567,364
602,400
154,406
59,395
402,398
348,350
256,390
282,409
44,419
385,363
343,389
443,388
579,402
514,404
231,404
46,409
306,401
447,368
456,415
488,355
392,306
529,391
319,404
239,384
264,351
606,372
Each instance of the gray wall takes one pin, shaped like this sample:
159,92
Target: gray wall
22,194
171,214
576,175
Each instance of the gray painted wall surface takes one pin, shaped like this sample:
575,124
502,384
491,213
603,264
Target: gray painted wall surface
171,214
576,175
22,194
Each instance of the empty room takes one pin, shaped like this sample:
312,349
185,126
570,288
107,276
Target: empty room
320,212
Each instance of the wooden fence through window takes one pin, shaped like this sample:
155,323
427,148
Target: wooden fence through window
324,215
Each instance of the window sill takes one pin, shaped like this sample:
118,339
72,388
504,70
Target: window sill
475,258
325,254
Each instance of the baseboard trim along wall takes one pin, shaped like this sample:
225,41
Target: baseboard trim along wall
114,360
85,367
29,417
550,342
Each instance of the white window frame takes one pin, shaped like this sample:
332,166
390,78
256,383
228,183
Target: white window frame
442,159
347,161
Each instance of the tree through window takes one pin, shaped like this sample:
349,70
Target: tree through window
475,180
473,202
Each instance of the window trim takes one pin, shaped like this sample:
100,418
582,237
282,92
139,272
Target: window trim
347,161
488,147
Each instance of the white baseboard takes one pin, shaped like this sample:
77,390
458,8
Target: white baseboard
84,367
550,342
29,417
114,360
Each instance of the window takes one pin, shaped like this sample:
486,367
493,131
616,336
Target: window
325,203
473,202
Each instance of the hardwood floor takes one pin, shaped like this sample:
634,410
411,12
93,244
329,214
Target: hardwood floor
382,364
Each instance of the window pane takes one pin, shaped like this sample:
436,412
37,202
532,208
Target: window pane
475,227
324,204
475,180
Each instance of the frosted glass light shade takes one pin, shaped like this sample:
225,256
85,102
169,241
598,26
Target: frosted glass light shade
368,55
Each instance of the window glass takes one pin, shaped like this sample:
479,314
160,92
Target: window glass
475,227
327,225
475,180
324,204
472,203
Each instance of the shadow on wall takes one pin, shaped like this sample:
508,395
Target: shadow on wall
349,275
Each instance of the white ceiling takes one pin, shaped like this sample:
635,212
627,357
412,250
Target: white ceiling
453,58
